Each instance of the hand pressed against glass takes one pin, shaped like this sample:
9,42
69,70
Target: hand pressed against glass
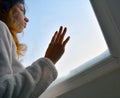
40,74
57,45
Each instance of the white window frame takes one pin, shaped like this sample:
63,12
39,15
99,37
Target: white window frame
100,65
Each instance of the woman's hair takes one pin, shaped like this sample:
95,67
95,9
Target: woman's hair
5,6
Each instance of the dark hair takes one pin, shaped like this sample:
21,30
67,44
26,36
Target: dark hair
5,5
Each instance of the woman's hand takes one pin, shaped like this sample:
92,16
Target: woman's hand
57,45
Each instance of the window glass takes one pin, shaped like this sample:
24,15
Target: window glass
45,17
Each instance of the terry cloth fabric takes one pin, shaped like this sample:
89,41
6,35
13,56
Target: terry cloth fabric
17,81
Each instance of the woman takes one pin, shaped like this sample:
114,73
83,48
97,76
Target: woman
15,80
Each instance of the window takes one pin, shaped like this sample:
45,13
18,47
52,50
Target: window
45,17
83,28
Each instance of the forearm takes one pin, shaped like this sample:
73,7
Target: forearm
30,82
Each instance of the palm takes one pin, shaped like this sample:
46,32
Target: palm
56,47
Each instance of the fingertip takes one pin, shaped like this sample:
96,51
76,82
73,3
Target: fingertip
68,38
56,32
65,28
65,42
61,27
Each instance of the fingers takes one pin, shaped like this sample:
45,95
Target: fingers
56,47
53,38
61,34
58,37
65,42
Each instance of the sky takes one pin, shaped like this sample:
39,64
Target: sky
46,16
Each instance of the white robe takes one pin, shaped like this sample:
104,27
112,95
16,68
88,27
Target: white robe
17,81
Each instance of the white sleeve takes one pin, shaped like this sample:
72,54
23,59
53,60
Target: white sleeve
28,83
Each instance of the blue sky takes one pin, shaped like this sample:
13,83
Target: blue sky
45,17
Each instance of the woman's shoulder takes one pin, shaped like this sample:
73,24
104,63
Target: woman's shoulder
3,26
4,31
